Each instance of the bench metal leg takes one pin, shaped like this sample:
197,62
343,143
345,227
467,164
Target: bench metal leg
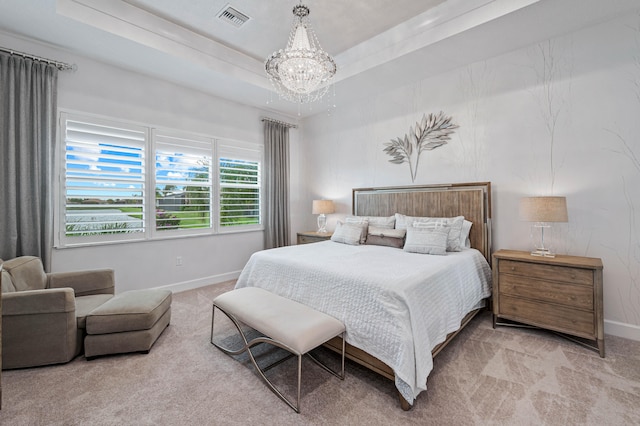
249,344
323,365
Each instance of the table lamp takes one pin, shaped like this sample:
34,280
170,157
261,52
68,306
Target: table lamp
322,208
543,211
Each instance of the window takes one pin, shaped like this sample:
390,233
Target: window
124,182
239,193
105,179
183,170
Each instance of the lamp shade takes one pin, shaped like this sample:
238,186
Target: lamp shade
323,207
543,209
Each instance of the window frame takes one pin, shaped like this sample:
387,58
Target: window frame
217,147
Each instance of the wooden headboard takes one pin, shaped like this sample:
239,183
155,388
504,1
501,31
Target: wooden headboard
471,200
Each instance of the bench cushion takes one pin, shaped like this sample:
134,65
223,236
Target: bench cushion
129,311
293,324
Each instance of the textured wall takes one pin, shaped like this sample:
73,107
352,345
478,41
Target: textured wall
556,118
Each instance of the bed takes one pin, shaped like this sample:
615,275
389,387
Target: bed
400,309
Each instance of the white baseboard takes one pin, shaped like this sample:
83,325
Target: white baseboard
201,282
620,329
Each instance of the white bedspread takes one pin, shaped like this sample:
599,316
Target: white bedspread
396,306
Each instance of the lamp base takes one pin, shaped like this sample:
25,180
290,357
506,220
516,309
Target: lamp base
543,252
322,224
540,248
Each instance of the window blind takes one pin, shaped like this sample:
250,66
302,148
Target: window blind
104,178
183,176
240,184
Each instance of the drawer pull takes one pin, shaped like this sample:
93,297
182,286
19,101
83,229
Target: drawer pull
513,268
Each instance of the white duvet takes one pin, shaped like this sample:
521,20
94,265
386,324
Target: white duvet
396,306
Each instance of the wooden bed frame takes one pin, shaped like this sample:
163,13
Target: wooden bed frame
471,200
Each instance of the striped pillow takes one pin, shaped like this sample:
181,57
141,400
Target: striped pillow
360,220
348,233
432,240
456,224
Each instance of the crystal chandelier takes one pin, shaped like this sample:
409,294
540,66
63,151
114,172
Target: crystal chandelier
300,72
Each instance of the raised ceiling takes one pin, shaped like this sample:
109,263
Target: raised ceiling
377,44
339,24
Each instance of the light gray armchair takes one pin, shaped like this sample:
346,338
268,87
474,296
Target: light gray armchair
44,314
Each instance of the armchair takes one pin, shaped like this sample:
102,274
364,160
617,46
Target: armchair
44,314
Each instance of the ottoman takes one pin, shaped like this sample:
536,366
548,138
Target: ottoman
129,322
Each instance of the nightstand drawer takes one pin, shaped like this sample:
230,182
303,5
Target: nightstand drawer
305,239
547,272
313,237
576,296
559,318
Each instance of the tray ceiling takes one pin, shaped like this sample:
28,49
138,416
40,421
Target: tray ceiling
377,44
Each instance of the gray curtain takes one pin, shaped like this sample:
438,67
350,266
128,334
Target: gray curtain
28,91
276,188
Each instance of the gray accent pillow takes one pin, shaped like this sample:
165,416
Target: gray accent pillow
386,237
348,233
427,240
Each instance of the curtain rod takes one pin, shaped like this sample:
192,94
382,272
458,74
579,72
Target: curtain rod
62,66
284,123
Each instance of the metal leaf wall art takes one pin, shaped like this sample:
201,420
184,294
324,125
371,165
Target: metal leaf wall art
429,133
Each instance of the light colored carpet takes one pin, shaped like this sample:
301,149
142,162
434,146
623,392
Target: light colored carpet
486,376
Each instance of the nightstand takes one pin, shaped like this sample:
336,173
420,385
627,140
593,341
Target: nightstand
562,294
313,237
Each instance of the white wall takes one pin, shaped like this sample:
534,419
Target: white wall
97,88
557,118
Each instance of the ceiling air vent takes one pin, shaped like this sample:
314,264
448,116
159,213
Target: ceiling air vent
233,16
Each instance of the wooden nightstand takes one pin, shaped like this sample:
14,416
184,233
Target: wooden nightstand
313,237
562,294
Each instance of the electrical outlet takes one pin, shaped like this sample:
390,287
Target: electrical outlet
179,261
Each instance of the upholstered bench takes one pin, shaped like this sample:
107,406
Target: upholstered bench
129,322
287,324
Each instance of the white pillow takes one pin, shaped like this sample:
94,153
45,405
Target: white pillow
356,219
464,235
431,224
359,220
348,233
456,224
387,222
427,240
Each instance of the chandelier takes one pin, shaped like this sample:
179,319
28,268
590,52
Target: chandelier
300,72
